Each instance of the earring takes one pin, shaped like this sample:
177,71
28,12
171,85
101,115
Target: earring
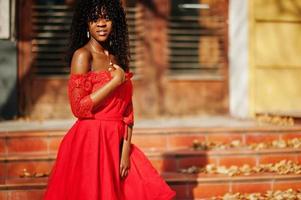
88,34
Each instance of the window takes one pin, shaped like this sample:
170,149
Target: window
197,37
51,24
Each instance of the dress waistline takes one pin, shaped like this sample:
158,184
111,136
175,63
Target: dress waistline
115,118
110,118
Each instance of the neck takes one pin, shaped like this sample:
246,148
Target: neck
97,46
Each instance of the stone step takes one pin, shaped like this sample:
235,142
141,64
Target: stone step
201,186
150,138
169,149
187,186
12,165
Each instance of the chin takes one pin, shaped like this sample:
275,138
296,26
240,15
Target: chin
101,38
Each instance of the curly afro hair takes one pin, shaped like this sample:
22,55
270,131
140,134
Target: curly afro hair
90,10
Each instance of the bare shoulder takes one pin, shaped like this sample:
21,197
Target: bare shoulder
81,61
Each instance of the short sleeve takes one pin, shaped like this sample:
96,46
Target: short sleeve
129,111
79,90
128,117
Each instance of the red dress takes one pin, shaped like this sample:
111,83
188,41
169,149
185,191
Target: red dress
87,164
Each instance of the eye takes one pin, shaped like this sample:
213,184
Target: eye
107,18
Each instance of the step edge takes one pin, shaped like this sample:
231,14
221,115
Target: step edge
162,153
177,181
160,131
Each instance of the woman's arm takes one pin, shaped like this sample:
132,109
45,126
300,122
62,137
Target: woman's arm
81,65
126,147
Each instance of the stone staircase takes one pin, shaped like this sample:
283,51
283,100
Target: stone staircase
169,149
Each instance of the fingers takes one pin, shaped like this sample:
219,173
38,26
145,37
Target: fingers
123,172
111,68
117,66
117,71
126,173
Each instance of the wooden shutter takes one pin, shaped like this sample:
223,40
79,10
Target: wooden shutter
134,20
197,37
50,37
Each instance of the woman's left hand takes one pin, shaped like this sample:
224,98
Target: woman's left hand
124,163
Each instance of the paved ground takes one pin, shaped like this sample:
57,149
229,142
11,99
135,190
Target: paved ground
196,121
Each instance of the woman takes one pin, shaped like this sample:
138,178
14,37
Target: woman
96,160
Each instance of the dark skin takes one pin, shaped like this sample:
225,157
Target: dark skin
94,54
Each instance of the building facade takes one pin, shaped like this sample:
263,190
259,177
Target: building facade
211,57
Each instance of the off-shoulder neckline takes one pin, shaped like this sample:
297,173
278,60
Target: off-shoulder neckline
100,72
105,71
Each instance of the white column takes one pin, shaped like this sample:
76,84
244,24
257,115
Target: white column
5,19
238,58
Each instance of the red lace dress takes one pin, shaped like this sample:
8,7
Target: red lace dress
87,165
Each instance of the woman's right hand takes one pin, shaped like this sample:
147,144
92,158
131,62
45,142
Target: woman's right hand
117,73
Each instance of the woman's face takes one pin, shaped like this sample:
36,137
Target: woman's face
101,28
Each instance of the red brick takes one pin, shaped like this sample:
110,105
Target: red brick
298,158
199,161
251,187
16,169
26,195
284,185
32,144
150,141
2,146
54,143
51,163
164,164
3,195
257,138
2,181
209,190
276,158
288,136
237,160
2,169
181,191
178,141
223,137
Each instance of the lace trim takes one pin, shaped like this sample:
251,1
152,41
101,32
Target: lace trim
128,118
80,87
79,90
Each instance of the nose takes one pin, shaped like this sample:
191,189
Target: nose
101,22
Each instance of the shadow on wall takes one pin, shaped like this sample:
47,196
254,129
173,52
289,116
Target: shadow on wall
8,80
31,86
155,63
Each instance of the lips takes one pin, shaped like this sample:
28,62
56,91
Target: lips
102,32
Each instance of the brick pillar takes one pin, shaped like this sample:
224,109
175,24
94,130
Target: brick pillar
24,37
155,57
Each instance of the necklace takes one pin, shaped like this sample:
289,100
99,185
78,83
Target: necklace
106,52
108,55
